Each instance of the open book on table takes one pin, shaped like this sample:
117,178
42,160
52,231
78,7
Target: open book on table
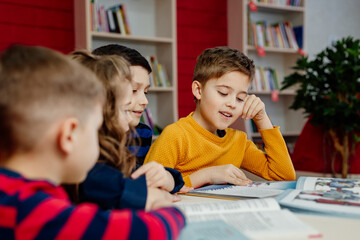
254,218
257,189
331,196
211,230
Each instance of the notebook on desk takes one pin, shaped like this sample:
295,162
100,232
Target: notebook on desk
257,189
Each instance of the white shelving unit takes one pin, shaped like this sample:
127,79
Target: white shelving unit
153,33
281,59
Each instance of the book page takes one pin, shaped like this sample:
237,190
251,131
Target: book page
224,206
211,230
324,184
278,224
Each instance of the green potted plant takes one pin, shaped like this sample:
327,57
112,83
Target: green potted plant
328,89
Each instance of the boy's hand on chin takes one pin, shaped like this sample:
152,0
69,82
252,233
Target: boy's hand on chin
254,108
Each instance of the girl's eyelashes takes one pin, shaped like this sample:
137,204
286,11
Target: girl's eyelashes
135,91
239,99
222,94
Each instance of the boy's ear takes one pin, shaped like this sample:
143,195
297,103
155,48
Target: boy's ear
196,89
67,135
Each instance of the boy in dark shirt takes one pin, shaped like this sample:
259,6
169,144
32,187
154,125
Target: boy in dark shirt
140,69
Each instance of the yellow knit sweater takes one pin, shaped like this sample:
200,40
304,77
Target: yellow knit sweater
188,147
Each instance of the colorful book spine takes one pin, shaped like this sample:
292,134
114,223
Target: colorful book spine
158,76
113,19
265,79
125,18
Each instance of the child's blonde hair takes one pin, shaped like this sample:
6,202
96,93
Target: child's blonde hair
215,62
113,71
39,86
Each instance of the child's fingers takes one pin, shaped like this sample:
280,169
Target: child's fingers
140,171
240,174
247,105
176,198
238,177
186,189
255,109
237,181
144,169
154,180
152,176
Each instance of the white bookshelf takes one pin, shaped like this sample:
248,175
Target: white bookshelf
153,33
281,59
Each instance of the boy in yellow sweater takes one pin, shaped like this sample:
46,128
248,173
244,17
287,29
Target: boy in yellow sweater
202,147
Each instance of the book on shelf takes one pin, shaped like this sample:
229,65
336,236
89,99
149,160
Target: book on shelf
255,218
113,26
265,79
329,196
147,118
125,18
295,3
298,32
253,126
120,18
257,189
276,35
158,76
112,19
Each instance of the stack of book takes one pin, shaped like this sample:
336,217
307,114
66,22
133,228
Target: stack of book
278,35
265,79
158,77
113,19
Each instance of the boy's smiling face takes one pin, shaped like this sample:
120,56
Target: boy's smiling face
140,84
125,107
220,101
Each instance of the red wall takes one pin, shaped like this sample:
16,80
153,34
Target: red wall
48,23
201,24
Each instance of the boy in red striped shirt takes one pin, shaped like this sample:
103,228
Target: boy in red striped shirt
50,113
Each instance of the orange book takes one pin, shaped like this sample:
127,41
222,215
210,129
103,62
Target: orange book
125,18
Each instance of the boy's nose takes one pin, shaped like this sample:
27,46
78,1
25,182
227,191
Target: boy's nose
231,103
144,100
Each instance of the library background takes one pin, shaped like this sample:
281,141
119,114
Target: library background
171,34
